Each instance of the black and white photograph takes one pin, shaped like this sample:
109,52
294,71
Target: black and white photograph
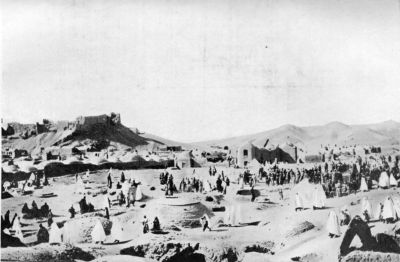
200,130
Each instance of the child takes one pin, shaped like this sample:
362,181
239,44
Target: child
204,222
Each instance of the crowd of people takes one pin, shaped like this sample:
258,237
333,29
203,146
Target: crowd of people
337,178
387,212
195,184
128,192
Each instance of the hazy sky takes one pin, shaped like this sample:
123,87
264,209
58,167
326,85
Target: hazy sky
196,70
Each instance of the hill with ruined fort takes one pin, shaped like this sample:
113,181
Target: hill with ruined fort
107,130
99,131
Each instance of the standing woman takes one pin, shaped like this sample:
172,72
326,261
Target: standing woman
333,225
145,223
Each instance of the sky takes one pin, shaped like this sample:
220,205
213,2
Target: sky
201,69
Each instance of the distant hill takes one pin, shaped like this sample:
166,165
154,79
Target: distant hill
168,142
384,134
162,140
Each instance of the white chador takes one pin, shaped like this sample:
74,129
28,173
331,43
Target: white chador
366,206
80,186
125,188
18,229
392,180
32,178
319,198
67,234
55,234
388,209
396,205
358,167
333,224
29,188
206,186
117,231
233,215
298,201
227,216
87,175
241,183
384,180
238,216
139,194
363,186
98,234
378,212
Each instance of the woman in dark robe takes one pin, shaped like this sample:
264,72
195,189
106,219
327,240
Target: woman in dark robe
156,224
122,177
42,235
50,218
72,211
107,213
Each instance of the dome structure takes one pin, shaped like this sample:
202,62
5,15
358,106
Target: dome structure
182,213
10,168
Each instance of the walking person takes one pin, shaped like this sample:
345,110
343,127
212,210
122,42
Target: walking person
205,222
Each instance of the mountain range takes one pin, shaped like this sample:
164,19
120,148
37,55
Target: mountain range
385,134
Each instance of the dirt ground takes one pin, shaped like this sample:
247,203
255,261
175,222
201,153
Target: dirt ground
277,218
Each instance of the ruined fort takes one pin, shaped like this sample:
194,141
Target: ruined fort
87,122
82,123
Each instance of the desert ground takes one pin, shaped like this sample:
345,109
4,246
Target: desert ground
270,228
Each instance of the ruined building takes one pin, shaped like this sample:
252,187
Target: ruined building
82,123
85,123
247,152
7,130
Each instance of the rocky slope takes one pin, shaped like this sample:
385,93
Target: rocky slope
120,137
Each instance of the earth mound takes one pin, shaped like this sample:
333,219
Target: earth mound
187,216
46,252
370,256
299,229
79,230
122,258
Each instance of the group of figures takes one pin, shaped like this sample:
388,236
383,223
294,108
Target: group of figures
168,180
12,234
195,184
11,230
389,212
35,211
337,178
128,192
33,182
